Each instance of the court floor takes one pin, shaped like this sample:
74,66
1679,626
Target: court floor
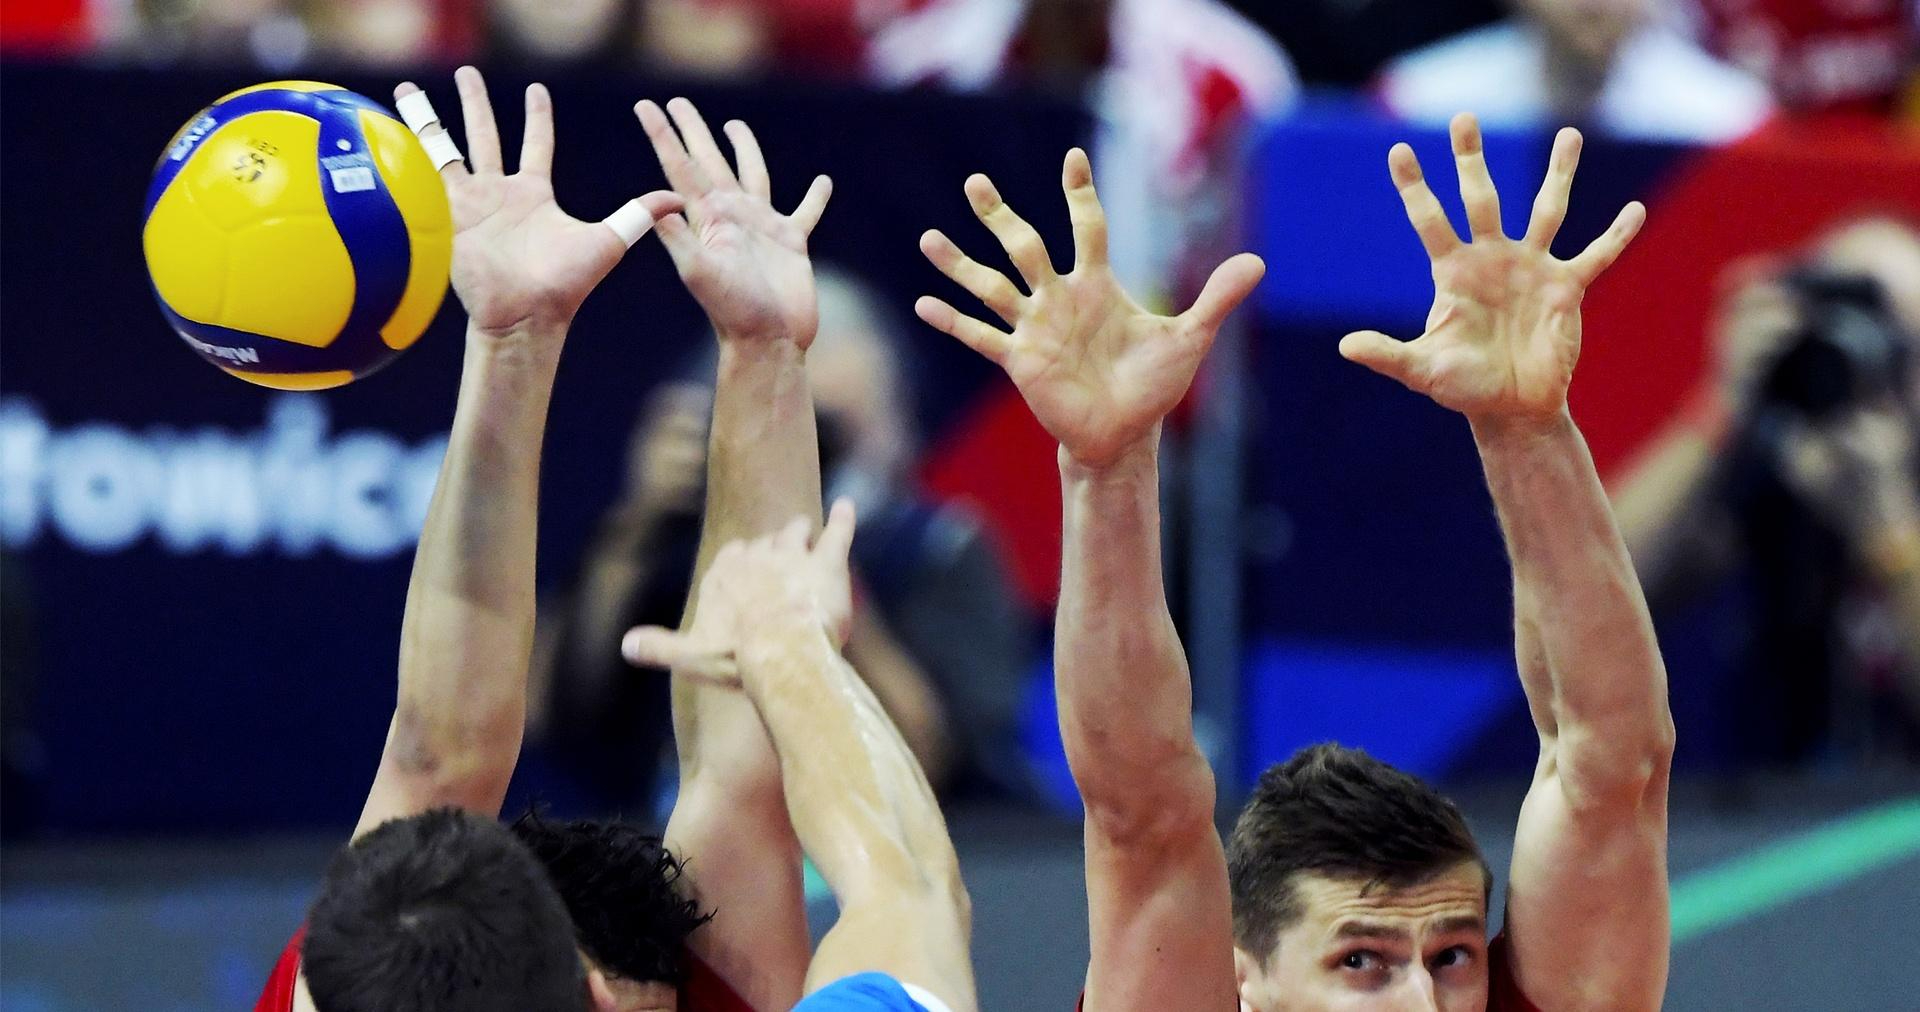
1795,893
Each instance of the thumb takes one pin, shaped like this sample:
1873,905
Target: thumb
656,647
636,217
1384,355
1229,286
836,539
677,236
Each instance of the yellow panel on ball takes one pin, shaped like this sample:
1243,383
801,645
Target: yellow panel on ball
421,196
290,279
281,86
295,380
259,166
186,256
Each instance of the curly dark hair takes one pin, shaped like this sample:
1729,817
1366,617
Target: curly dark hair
1341,813
622,888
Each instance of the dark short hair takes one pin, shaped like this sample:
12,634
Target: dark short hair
439,912
1340,813
623,891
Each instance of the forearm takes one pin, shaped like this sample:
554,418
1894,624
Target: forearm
858,800
1125,698
905,692
467,636
1574,585
763,469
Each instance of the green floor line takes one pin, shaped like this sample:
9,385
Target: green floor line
1784,871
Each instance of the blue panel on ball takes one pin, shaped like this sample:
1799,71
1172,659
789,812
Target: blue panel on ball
370,224
238,349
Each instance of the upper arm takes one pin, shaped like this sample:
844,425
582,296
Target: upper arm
1159,912
1587,917
730,830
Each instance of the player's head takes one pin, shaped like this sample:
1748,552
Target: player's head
1356,886
442,912
622,892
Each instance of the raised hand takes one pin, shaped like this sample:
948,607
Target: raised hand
768,585
1504,331
519,261
1098,371
743,261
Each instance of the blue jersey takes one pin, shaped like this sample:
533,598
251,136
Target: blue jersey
866,992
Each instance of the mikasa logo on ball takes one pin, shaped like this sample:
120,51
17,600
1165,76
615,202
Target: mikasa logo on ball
247,355
195,133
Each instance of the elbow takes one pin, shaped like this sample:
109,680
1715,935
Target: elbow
1164,802
456,761
1609,769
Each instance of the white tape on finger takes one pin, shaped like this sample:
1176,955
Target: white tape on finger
631,221
416,111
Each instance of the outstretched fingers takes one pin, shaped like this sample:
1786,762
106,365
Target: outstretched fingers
989,342
1476,182
984,283
1019,239
1083,206
417,112
1599,256
483,136
536,145
1550,205
701,145
813,205
1424,212
753,164
682,173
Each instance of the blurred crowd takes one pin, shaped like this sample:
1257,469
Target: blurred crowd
1697,69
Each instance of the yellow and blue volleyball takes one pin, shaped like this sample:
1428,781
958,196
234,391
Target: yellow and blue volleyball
297,235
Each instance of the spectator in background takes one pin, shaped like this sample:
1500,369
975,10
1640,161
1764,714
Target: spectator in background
1611,64
1344,43
1170,82
1820,57
938,634
1797,466
378,33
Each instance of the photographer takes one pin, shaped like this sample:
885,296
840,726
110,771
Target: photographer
1795,468
938,631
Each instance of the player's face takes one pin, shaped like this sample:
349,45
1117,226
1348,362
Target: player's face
1420,949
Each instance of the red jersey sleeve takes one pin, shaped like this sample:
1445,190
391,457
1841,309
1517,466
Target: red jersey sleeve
278,995
704,991
1503,991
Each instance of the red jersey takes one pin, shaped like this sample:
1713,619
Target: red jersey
1503,992
704,991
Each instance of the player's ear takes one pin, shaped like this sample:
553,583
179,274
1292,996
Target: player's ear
599,992
1245,969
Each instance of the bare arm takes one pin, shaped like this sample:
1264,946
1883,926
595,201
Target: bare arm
747,265
857,798
468,630
1587,894
467,636
1100,373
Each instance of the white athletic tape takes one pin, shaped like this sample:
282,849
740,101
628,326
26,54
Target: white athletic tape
416,111
632,221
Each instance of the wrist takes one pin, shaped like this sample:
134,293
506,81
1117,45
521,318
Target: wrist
1142,456
739,354
1513,432
524,344
782,638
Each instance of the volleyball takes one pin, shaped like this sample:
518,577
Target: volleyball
297,235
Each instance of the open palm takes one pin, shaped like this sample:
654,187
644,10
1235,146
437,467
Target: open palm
518,259
1503,335
1098,371
745,263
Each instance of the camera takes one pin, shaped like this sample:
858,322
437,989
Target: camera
1847,350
